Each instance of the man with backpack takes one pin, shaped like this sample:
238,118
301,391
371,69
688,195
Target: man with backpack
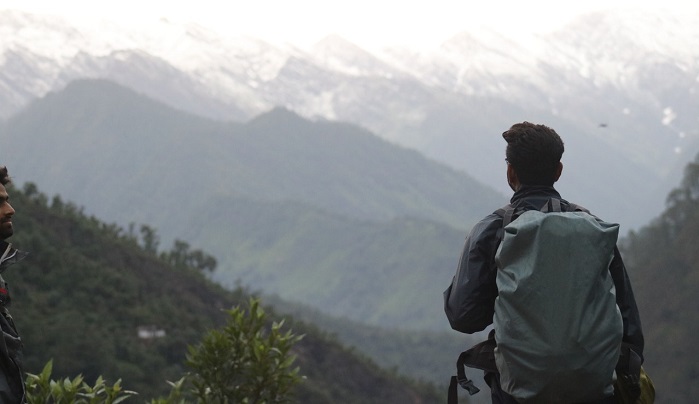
549,277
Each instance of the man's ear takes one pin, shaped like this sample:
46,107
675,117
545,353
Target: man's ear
559,170
512,179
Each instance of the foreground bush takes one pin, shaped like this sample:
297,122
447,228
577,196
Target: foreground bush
244,362
41,389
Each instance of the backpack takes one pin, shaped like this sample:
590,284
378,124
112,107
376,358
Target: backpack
557,326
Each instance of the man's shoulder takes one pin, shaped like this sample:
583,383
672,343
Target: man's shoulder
487,226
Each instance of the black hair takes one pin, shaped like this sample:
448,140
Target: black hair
4,177
534,151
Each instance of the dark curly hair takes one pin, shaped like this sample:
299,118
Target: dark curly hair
534,151
4,177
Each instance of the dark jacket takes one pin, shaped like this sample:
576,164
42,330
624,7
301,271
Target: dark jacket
11,375
470,300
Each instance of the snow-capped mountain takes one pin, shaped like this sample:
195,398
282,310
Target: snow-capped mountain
620,87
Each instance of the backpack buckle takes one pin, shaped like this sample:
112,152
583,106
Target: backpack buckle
468,385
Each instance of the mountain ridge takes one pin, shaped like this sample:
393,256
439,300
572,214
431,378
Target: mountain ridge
319,197
639,83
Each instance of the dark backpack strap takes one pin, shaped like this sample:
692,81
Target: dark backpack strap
507,213
508,216
453,393
577,208
628,370
460,380
553,205
480,356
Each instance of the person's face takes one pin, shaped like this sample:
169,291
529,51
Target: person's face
6,213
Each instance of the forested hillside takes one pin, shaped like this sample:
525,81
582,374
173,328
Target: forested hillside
663,262
395,348
87,286
389,274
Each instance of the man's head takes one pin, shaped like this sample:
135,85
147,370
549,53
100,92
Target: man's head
6,210
533,155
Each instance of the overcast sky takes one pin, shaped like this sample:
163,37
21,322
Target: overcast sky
366,22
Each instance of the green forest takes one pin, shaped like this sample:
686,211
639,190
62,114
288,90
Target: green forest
663,262
87,288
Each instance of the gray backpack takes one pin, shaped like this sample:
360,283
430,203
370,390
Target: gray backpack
557,326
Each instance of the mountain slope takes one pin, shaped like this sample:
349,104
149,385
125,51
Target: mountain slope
394,348
382,222
388,274
96,127
86,287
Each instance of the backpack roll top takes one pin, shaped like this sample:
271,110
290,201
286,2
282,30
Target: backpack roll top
557,325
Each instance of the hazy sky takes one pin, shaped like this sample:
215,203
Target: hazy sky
366,22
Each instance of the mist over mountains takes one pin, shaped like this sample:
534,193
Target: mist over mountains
619,87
